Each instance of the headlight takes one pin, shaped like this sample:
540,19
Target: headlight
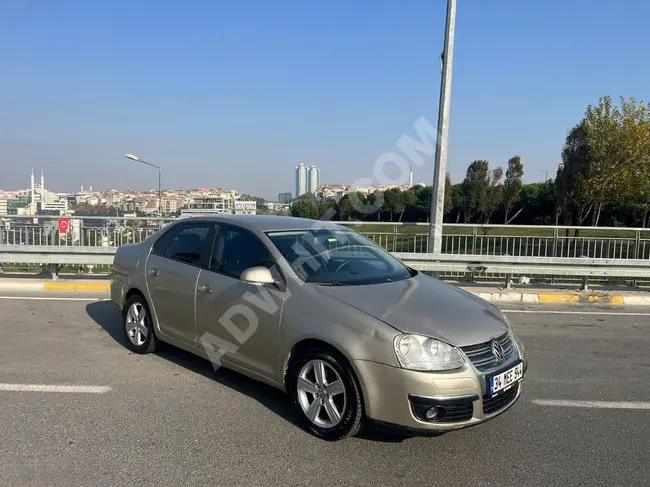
417,352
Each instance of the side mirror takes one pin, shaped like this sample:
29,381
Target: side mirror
257,275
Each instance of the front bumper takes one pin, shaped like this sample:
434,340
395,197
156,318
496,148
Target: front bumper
401,397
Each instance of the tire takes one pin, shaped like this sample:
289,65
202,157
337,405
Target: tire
341,401
138,334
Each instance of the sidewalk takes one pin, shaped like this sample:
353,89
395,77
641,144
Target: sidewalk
493,293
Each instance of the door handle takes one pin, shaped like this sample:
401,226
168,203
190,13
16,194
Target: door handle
153,272
204,289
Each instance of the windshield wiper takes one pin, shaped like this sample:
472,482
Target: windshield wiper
333,283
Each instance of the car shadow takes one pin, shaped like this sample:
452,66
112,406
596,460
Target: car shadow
107,316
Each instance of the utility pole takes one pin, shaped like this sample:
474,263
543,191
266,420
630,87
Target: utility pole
440,166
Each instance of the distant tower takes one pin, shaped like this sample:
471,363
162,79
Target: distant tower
82,188
301,180
313,179
32,195
411,176
42,188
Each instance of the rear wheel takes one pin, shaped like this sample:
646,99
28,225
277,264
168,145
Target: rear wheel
326,394
138,326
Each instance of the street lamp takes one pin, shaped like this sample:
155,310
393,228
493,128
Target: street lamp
545,173
440,163
137,159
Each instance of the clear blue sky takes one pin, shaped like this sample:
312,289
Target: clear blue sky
237,93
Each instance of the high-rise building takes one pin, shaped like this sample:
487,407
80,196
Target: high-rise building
284,197
301,180
313,179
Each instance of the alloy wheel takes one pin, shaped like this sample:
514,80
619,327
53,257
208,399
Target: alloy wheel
321,393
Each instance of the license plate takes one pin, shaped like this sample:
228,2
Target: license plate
506,379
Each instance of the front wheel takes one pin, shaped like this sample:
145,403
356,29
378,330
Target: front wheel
326,395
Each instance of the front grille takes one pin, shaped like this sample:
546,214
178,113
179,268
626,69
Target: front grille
481,354
500,401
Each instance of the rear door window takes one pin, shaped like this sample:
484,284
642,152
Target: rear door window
184,243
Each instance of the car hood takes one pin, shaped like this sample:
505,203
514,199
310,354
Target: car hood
426,306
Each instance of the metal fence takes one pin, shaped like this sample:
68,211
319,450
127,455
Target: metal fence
86,231
513,240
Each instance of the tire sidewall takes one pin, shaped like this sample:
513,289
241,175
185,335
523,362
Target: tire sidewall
349,424
149,343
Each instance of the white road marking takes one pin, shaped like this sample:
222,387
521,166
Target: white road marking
53,298
54,388
592,404
551,312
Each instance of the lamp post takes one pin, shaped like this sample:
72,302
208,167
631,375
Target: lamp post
137,159
545,173
442,139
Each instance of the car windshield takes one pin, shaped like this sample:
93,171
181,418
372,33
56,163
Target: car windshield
337,257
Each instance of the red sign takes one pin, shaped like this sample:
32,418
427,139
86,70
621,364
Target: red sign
64,224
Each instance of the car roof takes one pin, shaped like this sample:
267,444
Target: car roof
267,223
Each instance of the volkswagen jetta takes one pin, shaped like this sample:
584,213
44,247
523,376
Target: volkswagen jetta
319,311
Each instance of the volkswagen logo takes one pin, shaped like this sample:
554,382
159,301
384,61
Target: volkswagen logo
497,351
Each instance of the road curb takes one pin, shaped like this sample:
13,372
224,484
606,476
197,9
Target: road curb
54,286
562,298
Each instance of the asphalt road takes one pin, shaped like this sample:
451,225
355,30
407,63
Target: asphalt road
170,420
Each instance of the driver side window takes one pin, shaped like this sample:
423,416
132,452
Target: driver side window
236,250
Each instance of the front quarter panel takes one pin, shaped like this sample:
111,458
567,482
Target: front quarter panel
311,314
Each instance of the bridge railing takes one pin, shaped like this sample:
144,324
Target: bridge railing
514,240
507,266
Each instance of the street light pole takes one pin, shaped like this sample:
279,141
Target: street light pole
444,107
137,159
545,174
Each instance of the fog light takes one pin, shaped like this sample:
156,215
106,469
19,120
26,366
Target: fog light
436,412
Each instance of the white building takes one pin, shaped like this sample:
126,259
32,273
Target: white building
277,205
313,179
245,207
301,180
215,204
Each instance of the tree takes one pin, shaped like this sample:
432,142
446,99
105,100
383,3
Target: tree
457,200
394,202
327,209
307,197
344,208
493,194
573,177
475,188
512,186
304,208
618,139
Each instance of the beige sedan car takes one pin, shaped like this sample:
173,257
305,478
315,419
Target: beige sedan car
319,311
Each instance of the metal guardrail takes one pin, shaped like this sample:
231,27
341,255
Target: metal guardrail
56,255
458,239
473,264
527,266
